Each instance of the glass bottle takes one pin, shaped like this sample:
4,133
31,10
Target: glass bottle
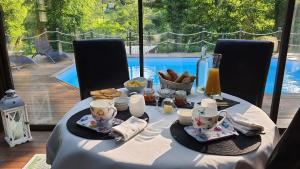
202,71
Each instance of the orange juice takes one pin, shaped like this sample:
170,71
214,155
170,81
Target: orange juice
213,82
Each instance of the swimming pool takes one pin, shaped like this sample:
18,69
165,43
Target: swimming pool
291,82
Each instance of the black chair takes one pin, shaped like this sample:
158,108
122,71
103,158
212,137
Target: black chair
244,68
286,154
100,64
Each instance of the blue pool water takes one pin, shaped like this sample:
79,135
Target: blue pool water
291,82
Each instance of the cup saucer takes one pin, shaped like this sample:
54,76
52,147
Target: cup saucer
89,122
204,135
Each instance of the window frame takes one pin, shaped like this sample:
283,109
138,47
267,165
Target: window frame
283,50
6,80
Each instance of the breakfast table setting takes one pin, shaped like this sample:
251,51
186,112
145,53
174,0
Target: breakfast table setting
173,125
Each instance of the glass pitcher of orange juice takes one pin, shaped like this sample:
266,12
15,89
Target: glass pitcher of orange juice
213,87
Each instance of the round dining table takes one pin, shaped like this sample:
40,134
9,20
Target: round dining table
154,147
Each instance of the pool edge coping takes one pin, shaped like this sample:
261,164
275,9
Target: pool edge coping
62,70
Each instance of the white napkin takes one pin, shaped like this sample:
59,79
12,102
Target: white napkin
128,128
245,125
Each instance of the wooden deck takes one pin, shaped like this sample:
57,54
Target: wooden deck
49,99
289,105
17,157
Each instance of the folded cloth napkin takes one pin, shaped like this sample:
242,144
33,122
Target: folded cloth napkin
245,125
128,128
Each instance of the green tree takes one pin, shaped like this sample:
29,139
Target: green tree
68,15
168,15
114,20
15,12
106,17
216,15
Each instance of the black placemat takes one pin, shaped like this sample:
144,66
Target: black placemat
231,146
189,105
83,132
225,103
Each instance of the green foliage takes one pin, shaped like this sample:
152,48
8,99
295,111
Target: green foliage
216,15
117,17
116,21
68,15
15,12
78,15
190,16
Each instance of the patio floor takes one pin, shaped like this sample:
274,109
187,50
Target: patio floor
49,99
17,157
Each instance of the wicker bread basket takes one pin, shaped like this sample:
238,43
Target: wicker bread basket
175,86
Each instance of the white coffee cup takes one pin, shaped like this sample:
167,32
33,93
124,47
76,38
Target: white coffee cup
210,103
207,116
103,111
137,105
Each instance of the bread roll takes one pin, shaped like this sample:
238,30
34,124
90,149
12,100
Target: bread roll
172,74
181,77
189,79
164,76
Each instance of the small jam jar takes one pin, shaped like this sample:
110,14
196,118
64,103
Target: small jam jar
149,95
168,105
180,98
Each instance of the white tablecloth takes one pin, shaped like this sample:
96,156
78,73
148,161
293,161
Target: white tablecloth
154,147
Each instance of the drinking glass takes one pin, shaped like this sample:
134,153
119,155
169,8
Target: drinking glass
137,105
213,87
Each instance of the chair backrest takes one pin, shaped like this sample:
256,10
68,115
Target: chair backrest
100,64
42,46
286,153
244,68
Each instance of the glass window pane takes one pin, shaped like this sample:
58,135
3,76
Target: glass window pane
39,39
289,101
176,31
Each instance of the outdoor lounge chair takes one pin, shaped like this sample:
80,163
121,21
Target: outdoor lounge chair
244,68
100,64
18,62
21,60
44,48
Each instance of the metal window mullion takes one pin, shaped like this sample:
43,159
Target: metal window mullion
6,81
141,38
282,60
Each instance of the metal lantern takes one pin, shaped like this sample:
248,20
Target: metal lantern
15,119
